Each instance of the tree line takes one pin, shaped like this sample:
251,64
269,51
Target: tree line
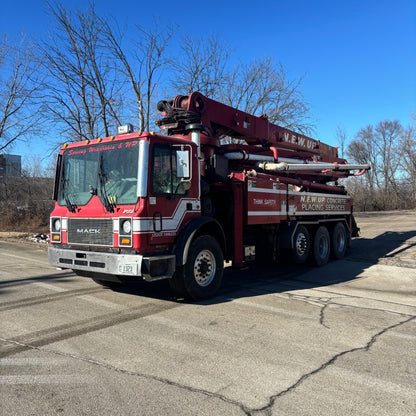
26,200
390,148
90,74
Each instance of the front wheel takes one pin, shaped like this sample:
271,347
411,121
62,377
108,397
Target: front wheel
201,276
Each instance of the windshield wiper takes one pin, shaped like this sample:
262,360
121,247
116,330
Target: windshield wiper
109,206
71,207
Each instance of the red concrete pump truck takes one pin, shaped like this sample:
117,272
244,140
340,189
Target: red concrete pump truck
175,206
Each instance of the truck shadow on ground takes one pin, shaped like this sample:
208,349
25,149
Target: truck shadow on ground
388,247
258,279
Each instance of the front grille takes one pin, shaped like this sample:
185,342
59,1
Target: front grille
93,231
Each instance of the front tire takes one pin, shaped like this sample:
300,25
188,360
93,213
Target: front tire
201,276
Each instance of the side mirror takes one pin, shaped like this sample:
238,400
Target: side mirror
182,164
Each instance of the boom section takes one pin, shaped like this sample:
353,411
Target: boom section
221,120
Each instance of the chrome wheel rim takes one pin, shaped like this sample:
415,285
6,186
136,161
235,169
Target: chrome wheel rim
301,244
204,268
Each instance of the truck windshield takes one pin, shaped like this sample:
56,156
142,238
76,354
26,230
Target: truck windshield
108,171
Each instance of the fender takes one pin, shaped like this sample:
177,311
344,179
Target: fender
196,227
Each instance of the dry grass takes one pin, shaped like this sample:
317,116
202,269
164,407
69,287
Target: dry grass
23,223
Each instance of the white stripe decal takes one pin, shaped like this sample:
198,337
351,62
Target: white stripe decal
267,191
322,213
297,213
260,213
179,206
295,193
319,194
145,225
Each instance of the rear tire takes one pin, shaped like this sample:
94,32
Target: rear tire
339,241
201,276
321,246
301,245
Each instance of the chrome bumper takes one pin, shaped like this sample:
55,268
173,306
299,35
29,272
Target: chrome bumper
150,268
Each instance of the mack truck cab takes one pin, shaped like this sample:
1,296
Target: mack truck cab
128,207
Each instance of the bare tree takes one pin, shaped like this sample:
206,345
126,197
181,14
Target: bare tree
379,146
263,87
152,58
387,136
83,88
364,150
25,201
408,159
258,87
202,67
92,68
341,135
19,91
114,41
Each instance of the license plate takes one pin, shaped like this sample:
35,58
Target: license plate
127,268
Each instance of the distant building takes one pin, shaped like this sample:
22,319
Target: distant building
10,165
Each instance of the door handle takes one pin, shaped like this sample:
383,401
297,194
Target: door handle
157,222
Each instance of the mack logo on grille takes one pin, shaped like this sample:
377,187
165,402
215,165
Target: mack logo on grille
88,230
91,231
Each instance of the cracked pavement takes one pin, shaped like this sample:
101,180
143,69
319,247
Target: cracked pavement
279,340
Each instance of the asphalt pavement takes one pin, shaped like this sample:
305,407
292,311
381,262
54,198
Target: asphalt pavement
277,340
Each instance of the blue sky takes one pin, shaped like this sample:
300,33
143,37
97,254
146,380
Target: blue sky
358,58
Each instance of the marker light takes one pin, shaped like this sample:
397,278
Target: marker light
127,128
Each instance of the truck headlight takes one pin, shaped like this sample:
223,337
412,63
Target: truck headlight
125,238
56,225
56,230
126,226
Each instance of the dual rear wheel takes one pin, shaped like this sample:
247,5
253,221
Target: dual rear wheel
321,246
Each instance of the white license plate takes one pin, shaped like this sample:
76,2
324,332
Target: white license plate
127,268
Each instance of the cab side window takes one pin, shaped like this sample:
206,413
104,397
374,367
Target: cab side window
164,179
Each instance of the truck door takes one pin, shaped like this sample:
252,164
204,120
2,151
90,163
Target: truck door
172,193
